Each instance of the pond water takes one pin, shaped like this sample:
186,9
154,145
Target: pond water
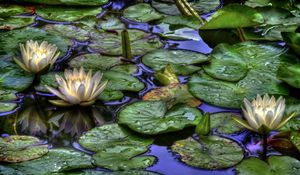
62,127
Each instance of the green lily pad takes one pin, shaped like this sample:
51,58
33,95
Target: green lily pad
290,75
111,23
12,77
110,43
56,160
122,160
141,12
97,172
275,165
95,62
67,31
249,76
15,22
179,21
9,41
224,123
122,82
69,14
166,8
243,17
172,94
211,152
203,6
125,68
12,10
152,117
68,2
113,137
107,95
21,148
182,62
6,107
8,95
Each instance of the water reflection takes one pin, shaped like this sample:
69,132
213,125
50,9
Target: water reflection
38,118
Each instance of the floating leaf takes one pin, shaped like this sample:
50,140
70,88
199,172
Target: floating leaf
178,33
111,23
122,160
186,21
211,152
15,22
250,76
166,8
68,2
6,95
292,39
110,42
12,10
12,77
95,62
172,94
56,160
234,16
295,139
141,12
152,117
113,137
21,148
9,41
223,123
275,165
69,14
181,61
67,31
6,107
125,68
290,75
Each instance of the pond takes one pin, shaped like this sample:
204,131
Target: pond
164,94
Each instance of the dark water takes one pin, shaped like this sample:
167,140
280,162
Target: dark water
66,125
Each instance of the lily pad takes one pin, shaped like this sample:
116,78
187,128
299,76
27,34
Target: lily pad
111,23
122,160
275,165
152,117
178,21
125,68
110,43
211,152
177,33
69,14
243,17
9,41
224,123
67,31
141,12
95,62
68,2
166,8
56,160
15,22
110,95
182,62
172,94
12,77
6,107
292,39
12,10
21,148
249,76
113,137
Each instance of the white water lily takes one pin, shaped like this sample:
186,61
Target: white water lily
78,88
37,57
264,114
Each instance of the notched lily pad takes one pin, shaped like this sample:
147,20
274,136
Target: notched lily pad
275,165
110,43
67,31
15,22
211,152
183,62
17,148
152,117
172,94
141,12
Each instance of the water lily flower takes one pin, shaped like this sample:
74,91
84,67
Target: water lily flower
78,88
36,58
264,114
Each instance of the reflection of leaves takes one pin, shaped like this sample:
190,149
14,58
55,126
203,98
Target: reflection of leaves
77,121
